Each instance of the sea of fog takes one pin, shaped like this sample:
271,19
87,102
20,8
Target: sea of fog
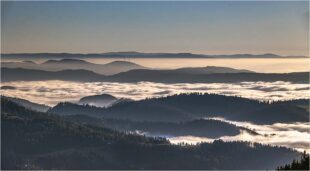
294,135
53,92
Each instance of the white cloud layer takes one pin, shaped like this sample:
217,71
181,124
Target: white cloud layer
53,92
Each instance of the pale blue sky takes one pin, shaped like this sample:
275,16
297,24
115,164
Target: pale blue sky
196,27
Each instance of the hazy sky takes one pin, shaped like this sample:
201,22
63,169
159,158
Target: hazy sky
196,27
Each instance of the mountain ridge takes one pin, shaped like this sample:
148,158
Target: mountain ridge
76,64
185,107
27,104
161,76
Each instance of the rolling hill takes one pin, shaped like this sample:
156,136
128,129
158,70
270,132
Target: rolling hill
161,76
76,64
186,107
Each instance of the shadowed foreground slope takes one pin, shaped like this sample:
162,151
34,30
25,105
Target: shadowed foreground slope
32,140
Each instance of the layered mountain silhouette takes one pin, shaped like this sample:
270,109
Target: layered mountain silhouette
186,107
200,75
109,68
34,140
76,64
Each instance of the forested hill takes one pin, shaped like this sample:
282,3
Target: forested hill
33,140
185,107
201,127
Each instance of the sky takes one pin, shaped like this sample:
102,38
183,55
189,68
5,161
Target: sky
209,27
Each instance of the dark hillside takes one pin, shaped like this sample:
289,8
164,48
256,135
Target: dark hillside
33,140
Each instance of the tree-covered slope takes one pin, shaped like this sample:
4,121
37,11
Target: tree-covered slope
33,140
201,127
185,107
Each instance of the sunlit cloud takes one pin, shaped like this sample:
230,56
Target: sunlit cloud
53,92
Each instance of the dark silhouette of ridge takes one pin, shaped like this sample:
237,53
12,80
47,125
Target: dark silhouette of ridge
69,61
173,76
186,107
76,64
27,104
211,69
162,76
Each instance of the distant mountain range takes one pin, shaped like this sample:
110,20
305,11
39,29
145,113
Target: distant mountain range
139,55
109,68
192,75
76,64
123,71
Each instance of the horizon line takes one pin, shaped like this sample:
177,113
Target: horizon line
139,52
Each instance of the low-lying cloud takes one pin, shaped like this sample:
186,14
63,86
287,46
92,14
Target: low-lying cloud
293,135
53,92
